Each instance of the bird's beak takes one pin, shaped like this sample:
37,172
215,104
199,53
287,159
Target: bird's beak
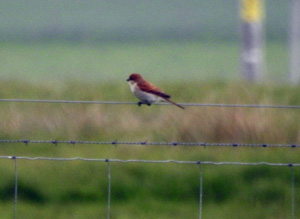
128,79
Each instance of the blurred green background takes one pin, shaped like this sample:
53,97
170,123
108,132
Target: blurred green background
85,50
106,40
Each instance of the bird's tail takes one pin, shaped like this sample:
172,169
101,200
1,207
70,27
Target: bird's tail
170,101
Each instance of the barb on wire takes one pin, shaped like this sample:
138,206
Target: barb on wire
146,143
134,103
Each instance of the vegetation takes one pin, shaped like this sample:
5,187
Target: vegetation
59,51
172,61
79,189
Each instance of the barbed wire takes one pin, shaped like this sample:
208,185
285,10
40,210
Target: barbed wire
146,143
135,103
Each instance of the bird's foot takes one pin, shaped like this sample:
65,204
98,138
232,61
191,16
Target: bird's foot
141,103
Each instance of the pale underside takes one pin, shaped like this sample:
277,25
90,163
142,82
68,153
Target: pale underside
142,95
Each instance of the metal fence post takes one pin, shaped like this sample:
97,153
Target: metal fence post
294,36
252,40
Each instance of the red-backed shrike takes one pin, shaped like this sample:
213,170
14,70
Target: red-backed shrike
147,92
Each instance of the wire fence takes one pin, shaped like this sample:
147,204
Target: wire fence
134,103
146,143
109,161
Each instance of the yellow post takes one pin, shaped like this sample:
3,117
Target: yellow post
252,10
252,13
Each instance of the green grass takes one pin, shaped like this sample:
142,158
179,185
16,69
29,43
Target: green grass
78,189
187,71
159,61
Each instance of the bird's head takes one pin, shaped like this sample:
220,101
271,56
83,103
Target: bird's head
134,77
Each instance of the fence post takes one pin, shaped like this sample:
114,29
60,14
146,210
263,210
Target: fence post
294,73
108,188
16,187
200,190
293,191
252,39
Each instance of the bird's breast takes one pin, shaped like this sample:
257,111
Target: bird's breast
133,86
142,95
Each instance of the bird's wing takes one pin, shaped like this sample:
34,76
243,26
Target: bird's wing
150,88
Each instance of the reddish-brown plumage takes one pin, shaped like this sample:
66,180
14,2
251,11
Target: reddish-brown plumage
147,87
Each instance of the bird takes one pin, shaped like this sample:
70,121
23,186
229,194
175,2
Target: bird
147,92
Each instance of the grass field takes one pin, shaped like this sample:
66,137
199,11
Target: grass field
167,61
79,189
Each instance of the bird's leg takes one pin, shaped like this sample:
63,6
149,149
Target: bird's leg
144,102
